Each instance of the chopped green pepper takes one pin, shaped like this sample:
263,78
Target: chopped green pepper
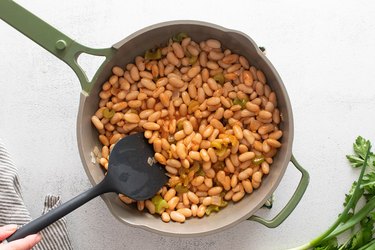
241,102
181,189
183,172
223,203
217,144
233,140
201,172
186,181
160,204
179,37
221,151
108,113
216,200
219,78
196,166
258,160
212,208
193,59
153,55
180,124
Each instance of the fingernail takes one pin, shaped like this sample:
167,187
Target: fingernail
11,227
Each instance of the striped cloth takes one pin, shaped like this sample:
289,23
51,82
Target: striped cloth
13,209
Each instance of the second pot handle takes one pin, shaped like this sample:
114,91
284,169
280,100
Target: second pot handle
52,40
293,202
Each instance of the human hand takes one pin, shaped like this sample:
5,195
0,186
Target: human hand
21,244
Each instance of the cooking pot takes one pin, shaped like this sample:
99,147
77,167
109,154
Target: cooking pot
123,53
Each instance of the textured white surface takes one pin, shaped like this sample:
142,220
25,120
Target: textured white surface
323,50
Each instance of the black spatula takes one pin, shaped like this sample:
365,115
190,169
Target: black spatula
131,171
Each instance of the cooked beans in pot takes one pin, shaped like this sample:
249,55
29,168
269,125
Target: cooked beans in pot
211,117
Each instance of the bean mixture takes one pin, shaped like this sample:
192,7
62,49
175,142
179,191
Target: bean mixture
211,117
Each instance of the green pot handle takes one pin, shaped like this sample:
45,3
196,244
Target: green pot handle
52,40
293,202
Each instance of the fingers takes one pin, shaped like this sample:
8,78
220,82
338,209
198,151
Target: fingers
23,244
7,231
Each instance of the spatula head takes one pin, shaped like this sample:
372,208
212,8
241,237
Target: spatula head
132,169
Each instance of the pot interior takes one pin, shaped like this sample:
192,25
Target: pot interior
154,36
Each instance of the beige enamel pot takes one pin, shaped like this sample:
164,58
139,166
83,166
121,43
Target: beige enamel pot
124,52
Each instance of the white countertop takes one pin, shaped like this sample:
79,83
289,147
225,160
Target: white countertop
323,50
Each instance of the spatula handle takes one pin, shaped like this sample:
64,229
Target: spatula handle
53,215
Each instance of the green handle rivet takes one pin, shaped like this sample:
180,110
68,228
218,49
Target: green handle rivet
60,45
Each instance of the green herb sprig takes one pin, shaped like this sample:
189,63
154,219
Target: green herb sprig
357,216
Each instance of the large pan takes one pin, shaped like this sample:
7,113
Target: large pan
124,52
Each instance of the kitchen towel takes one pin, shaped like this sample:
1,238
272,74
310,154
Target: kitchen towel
14,211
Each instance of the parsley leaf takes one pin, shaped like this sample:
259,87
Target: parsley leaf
361,238
328,245
359,207
350,194
368,183
355,161
360,148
